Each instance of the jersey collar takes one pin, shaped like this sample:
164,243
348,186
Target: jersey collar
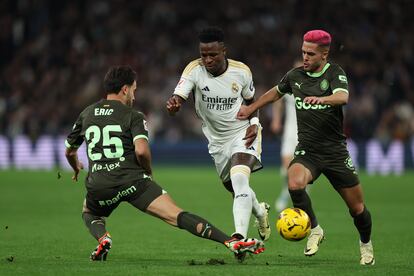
318,74
227,67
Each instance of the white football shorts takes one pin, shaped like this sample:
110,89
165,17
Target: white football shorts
289,140
222,153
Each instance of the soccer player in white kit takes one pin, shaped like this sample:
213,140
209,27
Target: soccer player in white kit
220,86
288,144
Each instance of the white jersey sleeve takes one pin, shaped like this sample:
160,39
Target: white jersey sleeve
187,81
248,89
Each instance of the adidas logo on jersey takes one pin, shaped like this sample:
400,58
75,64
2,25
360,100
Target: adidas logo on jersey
205,89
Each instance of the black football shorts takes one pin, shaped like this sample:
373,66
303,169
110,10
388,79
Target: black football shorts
335,163
138,193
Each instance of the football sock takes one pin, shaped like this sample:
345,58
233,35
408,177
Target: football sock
257,209
95,224
363,223
243,201
200,227
301,200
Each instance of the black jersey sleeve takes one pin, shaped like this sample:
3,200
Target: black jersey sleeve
284,85
339,80
139,127
75,137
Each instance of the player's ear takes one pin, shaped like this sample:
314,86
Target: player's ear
325,52
124,89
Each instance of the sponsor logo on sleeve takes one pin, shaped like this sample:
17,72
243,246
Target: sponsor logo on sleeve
181,82
251,87
343,79
145,125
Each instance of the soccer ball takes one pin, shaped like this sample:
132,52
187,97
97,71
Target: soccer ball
293,224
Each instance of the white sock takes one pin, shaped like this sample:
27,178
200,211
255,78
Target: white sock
242,203
257,209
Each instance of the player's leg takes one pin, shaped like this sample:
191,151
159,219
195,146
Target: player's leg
93,216
95,224
299,176
282,201
156,202
344,178
245,201
353,197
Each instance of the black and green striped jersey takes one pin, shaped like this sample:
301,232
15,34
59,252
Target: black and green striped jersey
319,125
109,129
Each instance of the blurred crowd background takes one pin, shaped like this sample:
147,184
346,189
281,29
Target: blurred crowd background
54,54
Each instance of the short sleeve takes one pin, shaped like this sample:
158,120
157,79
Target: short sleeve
284,85
248,89
187,81
339,81
139,128
75,139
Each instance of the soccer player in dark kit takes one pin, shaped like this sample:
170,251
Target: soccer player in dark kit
120,168
320,89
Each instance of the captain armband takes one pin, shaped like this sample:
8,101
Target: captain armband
254,121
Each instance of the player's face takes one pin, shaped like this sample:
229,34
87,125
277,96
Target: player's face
314,57
130,95
213,56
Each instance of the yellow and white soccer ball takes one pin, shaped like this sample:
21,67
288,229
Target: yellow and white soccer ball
293,224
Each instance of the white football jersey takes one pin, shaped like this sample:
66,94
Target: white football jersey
290,124
218,99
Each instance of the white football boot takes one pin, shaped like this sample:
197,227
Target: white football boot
262,223
367,253
315,238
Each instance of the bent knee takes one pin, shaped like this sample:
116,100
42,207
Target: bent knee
297,183
356,209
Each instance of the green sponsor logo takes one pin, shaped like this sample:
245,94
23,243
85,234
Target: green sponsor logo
306,106
343,78
300,152
349,164
324,85
120,194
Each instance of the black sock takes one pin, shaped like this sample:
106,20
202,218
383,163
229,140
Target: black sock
363,223
301,200
200,227
95,224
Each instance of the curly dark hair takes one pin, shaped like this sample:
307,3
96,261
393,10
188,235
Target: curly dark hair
211,34
118,76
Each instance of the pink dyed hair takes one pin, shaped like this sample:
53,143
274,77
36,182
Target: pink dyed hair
319,37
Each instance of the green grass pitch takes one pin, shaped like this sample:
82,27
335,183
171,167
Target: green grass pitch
41,231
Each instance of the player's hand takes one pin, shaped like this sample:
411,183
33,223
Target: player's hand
244,112
173,105
251,134
77,171
314,100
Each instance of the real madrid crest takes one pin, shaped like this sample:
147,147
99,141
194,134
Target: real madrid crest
234,88
324,85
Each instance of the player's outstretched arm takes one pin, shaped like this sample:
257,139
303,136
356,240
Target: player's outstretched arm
338,98
143,154
72,157
270,96
173,104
